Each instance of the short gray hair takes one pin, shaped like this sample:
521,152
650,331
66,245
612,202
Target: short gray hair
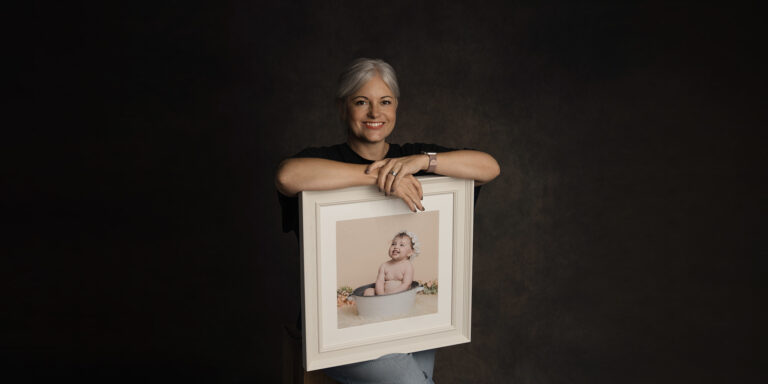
362,70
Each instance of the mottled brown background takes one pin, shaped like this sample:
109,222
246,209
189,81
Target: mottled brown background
620,243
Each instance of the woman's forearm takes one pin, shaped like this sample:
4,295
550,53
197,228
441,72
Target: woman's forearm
312,174
467,164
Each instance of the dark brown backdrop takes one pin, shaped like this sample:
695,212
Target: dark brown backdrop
618,245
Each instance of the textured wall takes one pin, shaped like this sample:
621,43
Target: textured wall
616,246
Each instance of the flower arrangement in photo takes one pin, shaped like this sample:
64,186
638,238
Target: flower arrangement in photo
430,287
342,296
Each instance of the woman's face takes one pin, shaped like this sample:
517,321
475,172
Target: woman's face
401,248
371,112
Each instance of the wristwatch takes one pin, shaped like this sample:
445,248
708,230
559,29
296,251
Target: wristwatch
432,161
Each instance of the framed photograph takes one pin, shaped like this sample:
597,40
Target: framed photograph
378,278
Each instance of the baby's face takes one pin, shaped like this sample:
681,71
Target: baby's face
401,248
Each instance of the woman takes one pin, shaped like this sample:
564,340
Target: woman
367,98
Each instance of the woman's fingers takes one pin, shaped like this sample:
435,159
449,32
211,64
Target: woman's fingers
419,190
385,173
407,199
401,177
410,192
382,173
394,174
401,173
392,171
414,195
409,203
382,167
372,167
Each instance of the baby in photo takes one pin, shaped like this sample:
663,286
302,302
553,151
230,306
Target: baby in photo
396,274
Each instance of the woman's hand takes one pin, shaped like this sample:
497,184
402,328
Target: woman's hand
393,171
410,192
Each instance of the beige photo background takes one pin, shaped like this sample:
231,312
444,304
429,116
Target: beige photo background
362,245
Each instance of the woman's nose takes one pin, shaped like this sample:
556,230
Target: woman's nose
373,111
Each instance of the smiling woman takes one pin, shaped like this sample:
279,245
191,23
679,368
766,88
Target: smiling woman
367,99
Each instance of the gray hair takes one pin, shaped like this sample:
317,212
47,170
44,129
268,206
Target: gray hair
362,70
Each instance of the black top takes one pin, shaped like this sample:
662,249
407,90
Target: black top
345,154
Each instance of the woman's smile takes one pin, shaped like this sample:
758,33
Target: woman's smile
373,124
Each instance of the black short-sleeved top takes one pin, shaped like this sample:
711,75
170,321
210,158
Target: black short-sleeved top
345,154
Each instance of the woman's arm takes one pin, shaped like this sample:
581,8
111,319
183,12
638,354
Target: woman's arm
464,164
312,174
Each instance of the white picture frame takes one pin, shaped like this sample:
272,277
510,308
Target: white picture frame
334,334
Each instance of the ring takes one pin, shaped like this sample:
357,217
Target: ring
393,173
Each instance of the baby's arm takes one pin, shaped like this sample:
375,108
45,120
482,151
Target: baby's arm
380,280
408,277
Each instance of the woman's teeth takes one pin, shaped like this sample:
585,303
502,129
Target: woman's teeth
374,124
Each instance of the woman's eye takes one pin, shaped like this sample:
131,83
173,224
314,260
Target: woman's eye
360,102
386,102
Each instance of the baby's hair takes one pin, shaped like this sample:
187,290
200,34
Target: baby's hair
414,241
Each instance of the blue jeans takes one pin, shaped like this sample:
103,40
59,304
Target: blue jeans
395,368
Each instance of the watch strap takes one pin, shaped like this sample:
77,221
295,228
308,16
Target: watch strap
432,161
